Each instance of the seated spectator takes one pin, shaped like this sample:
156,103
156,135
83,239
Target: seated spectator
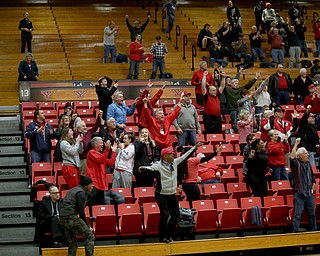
97,161
209,173
278,123
123,170
315,69
28,69
245,125
216,56
313,100
205,37
119,110
146,153
255,43
48,218
276,151
226,36
70,149
301,86
241,50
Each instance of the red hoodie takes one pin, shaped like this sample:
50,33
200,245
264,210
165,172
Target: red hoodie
135,53
315,104
276,152
155,127
197,78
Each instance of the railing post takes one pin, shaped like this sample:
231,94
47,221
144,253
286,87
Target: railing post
164,15
304,11
194,54
156,9
142,4
185,42
149,4
177,35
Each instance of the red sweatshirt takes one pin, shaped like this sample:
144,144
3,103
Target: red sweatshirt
197,78
162,139
316,30
315,104
135,53
96,167
276,152
151,105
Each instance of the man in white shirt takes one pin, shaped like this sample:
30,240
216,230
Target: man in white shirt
108,42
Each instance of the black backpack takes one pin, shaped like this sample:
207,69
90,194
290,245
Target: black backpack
122,58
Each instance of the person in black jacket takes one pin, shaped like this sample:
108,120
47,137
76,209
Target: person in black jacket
28,69
137,29
315,70
105,90
301,85
146,153
73,217
26,27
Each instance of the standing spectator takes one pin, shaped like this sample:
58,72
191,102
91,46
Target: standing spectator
97,162
245,125
241,50
304,184
48,218
268,16
170,6
105,90
152,103
165,191
294,12
315,70
146,153
301,28
280,86
301,86
316,31
277,122
308,134
246,151
211,117
226,36
257,165
39,133
187,122
197,78
108,42
258,10
28,69
111,132
262,96
70,150
73,217
205,37
313,100
255,43
276,46
294,47
216,55
158,49
276,151
233,14
265,124
26,28
159,125
119,110
247,100
74,117
136,51
123,170
137,29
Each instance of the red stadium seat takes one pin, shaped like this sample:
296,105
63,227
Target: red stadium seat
41,194
290,203
53,122
60,105
184,204
281,187
61,183
130,220
289,110
215,191
227,150
48,179
126,192
80,105
246,205
232,138
46,105
218,160
144,195
215,139
28,114
228,176
206,217
235,161
277,212
41,169
167,102
88,113
238,190
205,149
226,127
229,214
105,221
151,215
301,108
51,114
28,106
134,129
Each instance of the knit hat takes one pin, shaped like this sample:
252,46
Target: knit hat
85,180
168,150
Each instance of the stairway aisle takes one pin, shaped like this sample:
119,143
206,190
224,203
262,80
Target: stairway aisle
16,210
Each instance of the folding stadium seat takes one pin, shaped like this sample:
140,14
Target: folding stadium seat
48,179
277,212
105,221
63,193
215,139
129,102
215,191
46,105
88,113
144,195
151,215
80,105
27,115
109,179
61,183
130,220
205,149
51,114
41,194
227,150
167,110
167,102
41,169
90,121
229,214
301,108
184,204
219,160
317,202
95,105
134,129
235,161
60,106
281,187
316,173
53,122
246,205
226,119
87,213
290,203
241,177
232,138
130,120
28,106
228,176
206,217
226,127
200,118
317,186
201,138
289,110
126,192
238,190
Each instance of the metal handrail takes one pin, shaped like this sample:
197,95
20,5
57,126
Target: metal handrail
185,43
177,35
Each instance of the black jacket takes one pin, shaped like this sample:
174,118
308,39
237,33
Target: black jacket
105,98
46,209
300,87
308,134
273,85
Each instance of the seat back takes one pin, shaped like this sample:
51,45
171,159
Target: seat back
206,216
130,219
151,215
144,195
105,223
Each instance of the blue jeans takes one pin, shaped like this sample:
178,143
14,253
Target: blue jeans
170,24
40,157
187,136
134,66
283,98
257,52
300,203
110,49
223,63
234,119
279,173
304,48
277,54
317,47
158,63
245,56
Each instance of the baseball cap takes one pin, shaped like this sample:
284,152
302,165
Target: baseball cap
311,86
186,93
168,150
279,109
158,37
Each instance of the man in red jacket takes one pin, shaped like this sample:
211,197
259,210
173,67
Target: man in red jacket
197,81
159,125
136,51
151,103
97,161
312,100
276,150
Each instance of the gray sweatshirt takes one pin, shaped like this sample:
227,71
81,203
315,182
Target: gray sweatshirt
70,153
188,118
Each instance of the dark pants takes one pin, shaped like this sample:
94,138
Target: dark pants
192,191
169,214
212,124
258,185
51,225
300,203
26,39
199,99
283,97
105,197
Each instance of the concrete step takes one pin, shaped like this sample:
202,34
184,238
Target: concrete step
9,187
17,216
10,143
13,148
16,201
9,128
18,250
17,235
17,173
5,138
12,160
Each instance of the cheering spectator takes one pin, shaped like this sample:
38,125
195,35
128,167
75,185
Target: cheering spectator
209,173
262,96
216,55
313,100
108,42
137,29
111,132
268,16
301,86
244,126
294,46
205,37
301,28
170,6
158,49
258,10
255,43
277,43
136,51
